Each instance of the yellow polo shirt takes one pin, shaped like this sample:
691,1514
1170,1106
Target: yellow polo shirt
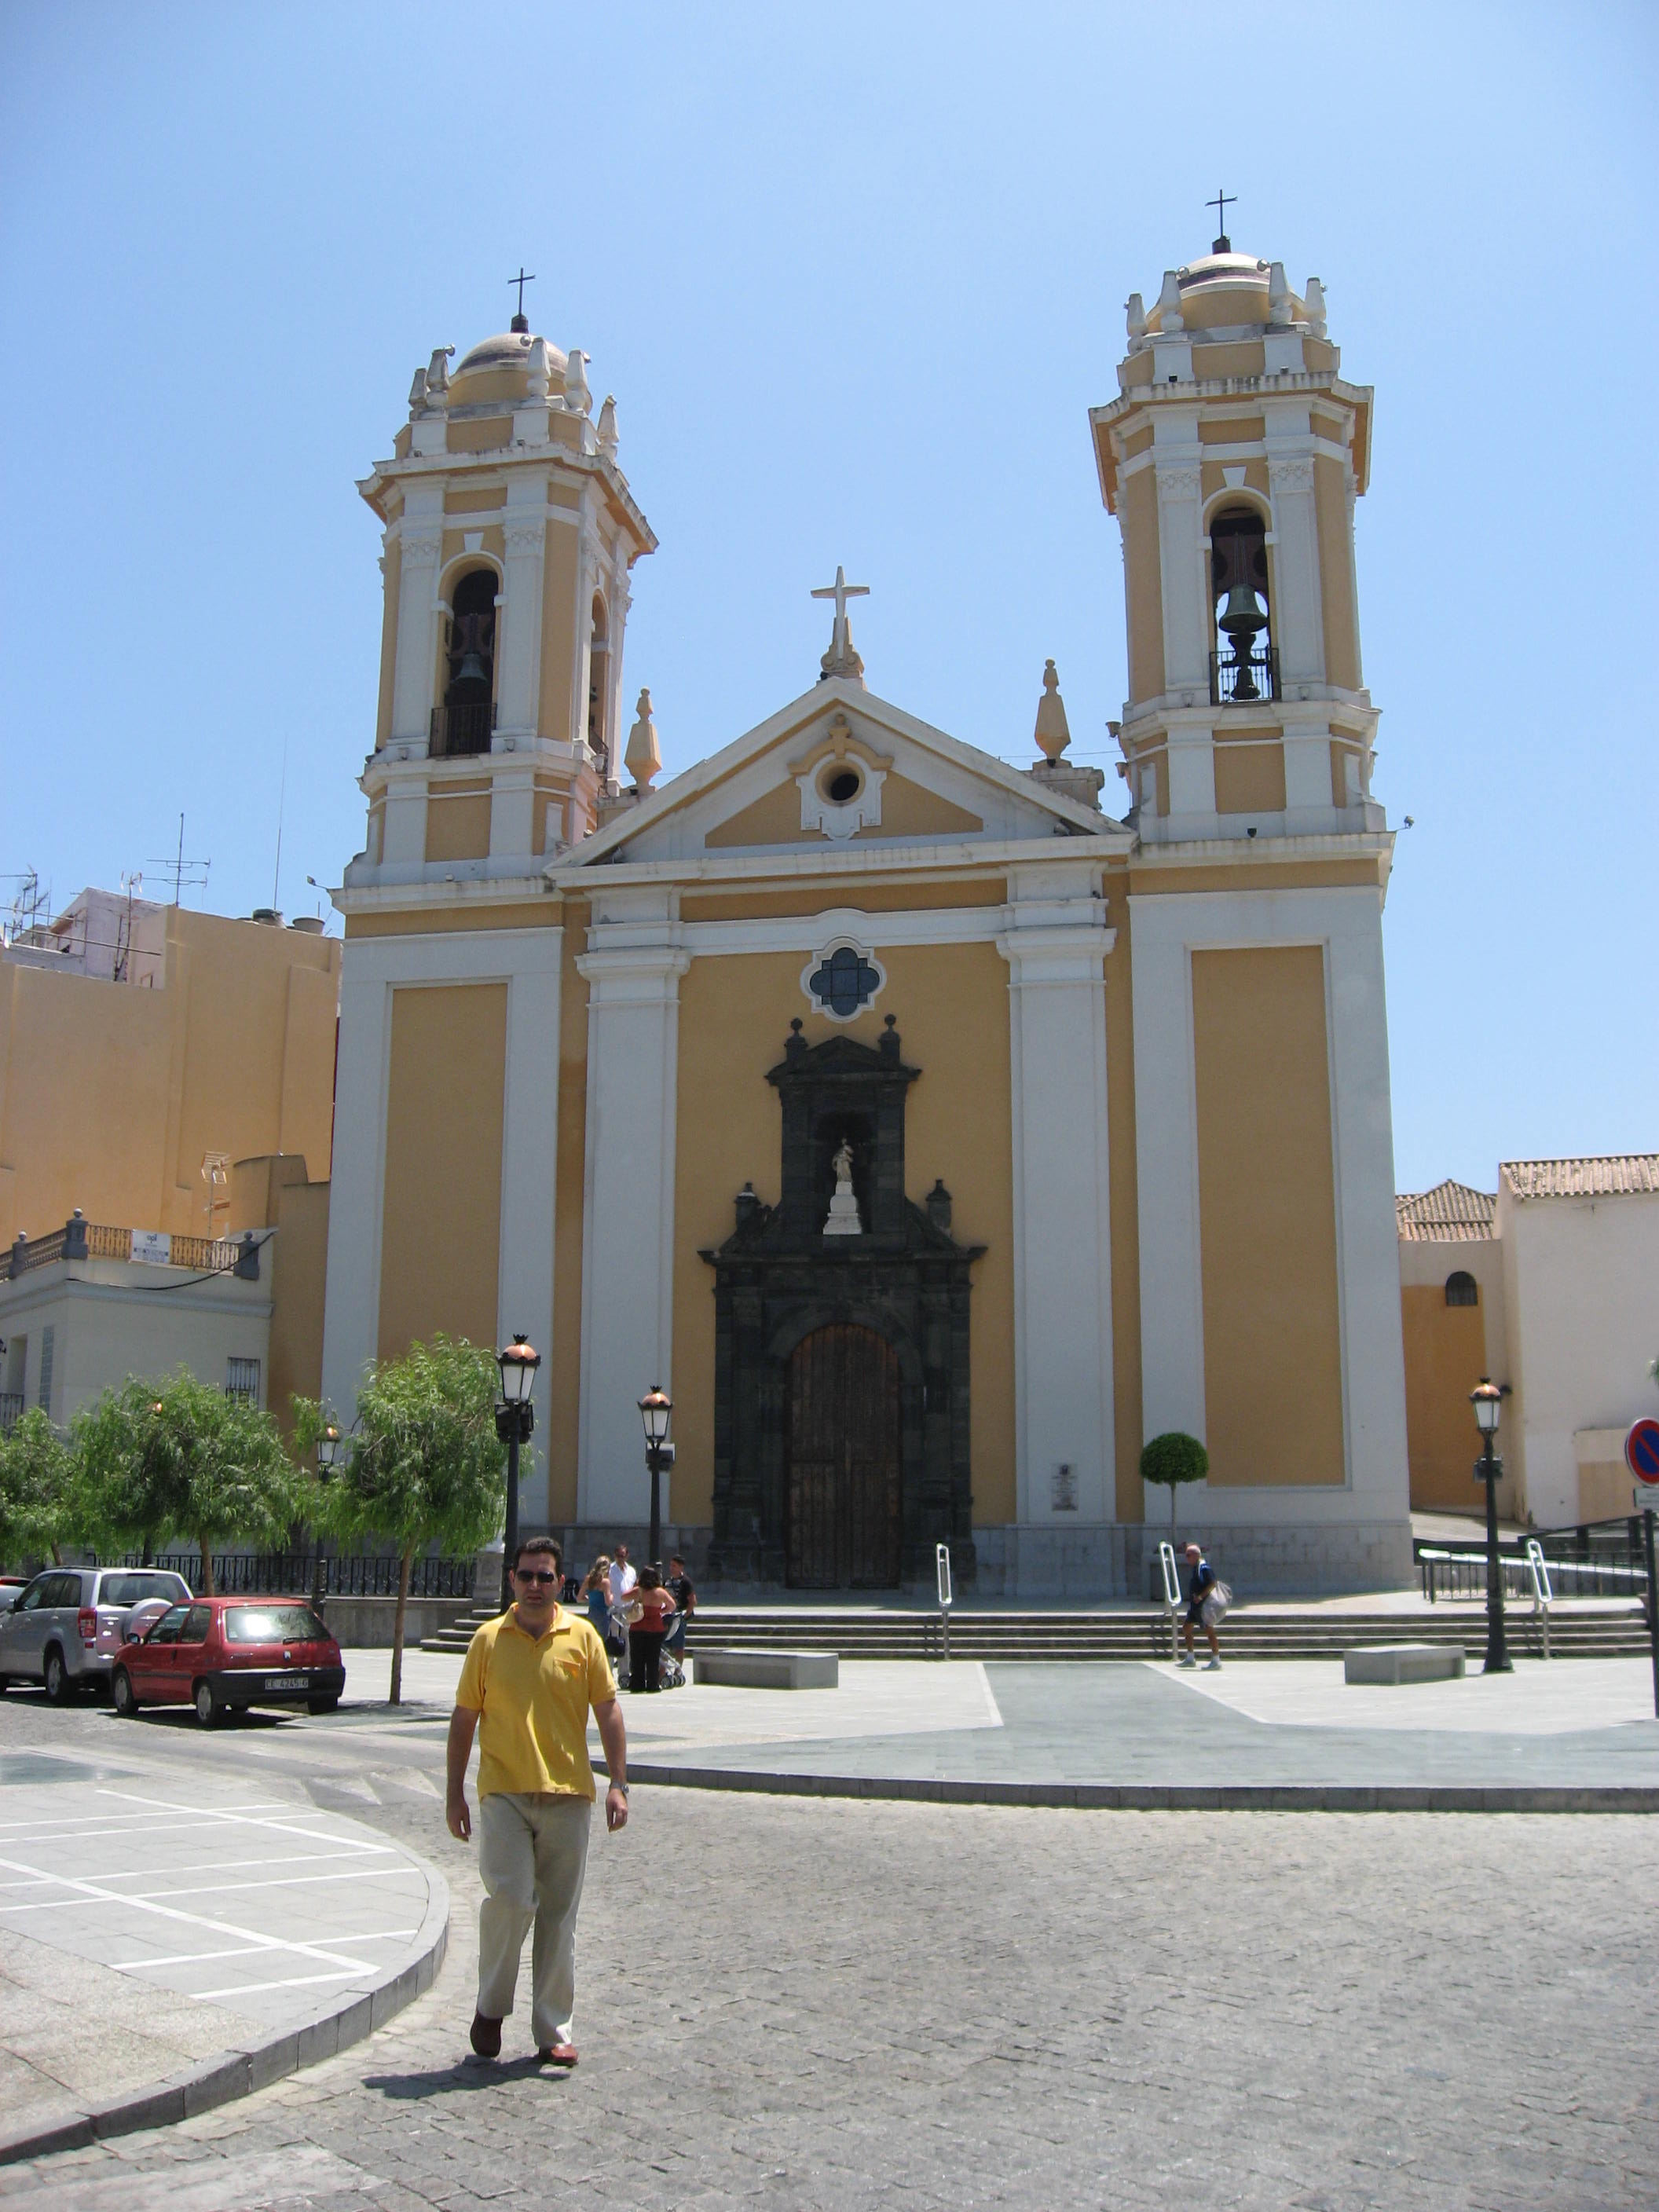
534,1694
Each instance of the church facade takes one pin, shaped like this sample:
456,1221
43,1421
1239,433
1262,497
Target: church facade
933,1137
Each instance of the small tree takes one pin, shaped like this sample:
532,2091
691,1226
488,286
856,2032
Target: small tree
37,1500
1175,1457
181,1458
423,1464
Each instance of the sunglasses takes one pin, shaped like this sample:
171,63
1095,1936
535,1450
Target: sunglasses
534,1575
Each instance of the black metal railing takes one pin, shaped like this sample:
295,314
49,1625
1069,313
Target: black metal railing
458,732
11,1410
1241,682
293,1574
1596,1558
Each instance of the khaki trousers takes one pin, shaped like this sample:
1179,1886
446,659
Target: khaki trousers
532,1855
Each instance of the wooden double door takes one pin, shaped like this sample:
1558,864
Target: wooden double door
845,1524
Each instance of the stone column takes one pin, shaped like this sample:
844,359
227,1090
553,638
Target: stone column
519,685
1055,943
420,541
632,968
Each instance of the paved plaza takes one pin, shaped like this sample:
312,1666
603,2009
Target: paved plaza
831,2004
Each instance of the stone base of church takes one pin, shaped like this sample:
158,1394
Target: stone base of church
1087,1565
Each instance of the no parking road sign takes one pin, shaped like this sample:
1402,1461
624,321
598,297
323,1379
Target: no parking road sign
1641,1457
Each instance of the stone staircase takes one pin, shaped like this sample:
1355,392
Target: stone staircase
888,1632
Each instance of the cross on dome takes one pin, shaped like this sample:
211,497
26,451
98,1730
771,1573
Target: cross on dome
1221,203
520,323
843,658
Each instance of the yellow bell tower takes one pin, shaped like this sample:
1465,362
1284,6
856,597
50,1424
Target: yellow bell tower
1232,458
509,534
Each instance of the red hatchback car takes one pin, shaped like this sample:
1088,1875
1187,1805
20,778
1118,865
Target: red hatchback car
224,1653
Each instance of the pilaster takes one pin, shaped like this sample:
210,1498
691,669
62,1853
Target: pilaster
1055,943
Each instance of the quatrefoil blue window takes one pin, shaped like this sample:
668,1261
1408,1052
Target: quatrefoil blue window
843,981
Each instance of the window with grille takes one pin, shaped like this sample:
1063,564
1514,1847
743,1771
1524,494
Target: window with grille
1463,1290
242,1380
48,1349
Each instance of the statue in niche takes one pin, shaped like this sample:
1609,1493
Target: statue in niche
844,1207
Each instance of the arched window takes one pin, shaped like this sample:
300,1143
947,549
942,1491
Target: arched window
1463,1290
467,718
1244,666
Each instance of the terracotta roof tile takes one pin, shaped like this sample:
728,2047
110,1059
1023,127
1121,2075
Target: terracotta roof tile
1616,1174
1450,1213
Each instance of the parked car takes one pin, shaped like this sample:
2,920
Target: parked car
225,1654
11,1588
66,1628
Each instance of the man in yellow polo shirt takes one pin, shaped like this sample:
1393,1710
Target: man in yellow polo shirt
532,1676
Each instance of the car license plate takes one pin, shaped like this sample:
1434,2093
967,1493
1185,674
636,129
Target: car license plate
288,1681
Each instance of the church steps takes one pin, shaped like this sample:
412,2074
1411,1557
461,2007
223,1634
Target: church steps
881,1633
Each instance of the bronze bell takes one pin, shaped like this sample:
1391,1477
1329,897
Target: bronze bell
1242,617
471,670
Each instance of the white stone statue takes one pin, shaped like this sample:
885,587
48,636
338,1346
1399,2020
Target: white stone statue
1314,295
1170,320
844,1207
608,427
577,396
643,759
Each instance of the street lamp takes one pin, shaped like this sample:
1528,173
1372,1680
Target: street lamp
515,1423
656,1411
330,1450
1487,1400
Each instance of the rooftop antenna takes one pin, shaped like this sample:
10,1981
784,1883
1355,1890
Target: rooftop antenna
1221,203
184,871
282,797
519,320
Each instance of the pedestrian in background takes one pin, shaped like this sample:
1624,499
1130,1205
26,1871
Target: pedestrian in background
685,1604
623,1580
648,1618
1208,1597
532,1677
596,1594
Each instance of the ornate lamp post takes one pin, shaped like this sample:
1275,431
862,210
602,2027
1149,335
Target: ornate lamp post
1487,1400
515,1424
330,1450
657,1411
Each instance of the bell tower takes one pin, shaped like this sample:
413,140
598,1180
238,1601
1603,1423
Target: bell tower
1232,458
509,533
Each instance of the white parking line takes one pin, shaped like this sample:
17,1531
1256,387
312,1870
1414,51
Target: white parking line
117,1824
195,1889
92,1893
237,1866
248,1989
244,1950
240,1818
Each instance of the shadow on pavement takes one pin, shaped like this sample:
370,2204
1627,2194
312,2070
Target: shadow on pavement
467,2075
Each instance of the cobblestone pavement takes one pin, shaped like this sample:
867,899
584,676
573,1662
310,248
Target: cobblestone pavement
835,2004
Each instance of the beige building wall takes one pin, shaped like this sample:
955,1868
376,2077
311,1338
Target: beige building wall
111,1096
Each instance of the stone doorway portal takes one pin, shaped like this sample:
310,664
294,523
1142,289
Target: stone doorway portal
844,1524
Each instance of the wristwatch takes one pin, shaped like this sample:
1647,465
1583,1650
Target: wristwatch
622,1786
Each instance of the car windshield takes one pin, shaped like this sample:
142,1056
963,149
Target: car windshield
133,1590
273,1624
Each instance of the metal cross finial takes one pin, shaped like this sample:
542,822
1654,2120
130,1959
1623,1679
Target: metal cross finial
520,280
1221,203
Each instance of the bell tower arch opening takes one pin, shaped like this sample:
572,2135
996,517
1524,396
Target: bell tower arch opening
465,720
1244,664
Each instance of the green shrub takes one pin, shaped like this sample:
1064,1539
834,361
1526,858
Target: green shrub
1175,1457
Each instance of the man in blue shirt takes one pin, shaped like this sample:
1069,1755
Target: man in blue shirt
1204,1580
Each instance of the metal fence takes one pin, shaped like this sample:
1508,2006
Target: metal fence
284,1574
1596,1558
11,1410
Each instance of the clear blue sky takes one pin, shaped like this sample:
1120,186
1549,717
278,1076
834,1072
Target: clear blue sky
855,275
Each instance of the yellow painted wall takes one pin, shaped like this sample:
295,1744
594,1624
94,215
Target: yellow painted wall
1249,779
440,1230
1273,1373
479,434
457,822
564,1380
952,1005
909,811
1445,1357
773,818
806,896
110,1095
1139,507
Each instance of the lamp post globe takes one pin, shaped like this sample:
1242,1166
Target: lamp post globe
515,1423
1487,1400
657,1414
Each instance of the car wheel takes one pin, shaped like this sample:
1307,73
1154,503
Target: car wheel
121,1696
55,1676
322,1705
208,1707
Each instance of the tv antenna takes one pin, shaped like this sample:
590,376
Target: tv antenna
186,874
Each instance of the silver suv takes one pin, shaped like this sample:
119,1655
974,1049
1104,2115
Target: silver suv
68,1625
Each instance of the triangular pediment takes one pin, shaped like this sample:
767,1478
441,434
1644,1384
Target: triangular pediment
836,770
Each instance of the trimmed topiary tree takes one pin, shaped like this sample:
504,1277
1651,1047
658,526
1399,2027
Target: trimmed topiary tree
1175,1457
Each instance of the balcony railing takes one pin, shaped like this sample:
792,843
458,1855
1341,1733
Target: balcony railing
458,732
79,1239
1235,683
11,1411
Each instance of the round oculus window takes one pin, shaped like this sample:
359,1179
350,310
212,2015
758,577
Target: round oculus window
840,784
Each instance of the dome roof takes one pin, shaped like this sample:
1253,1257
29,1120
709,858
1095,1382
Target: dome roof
507,350
1227,267
1222,290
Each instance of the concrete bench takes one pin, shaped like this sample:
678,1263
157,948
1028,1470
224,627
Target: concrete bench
767,1670
1404,1663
